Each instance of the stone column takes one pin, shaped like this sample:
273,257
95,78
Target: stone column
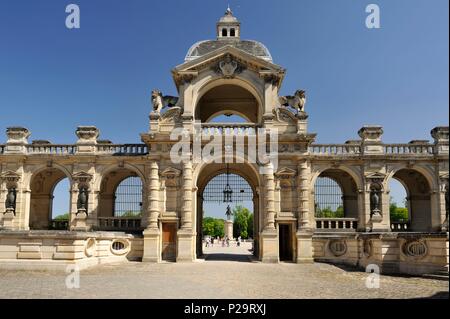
153,200
152,242
304,230
186,213
269,236
186,245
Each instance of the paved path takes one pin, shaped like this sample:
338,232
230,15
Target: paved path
216,278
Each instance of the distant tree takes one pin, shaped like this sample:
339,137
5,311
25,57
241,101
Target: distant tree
129,214
65,216
398,214
329,213
243,222
213,227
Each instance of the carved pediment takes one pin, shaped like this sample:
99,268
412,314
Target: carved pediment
285,173
82,177
10,177
375,176
171,173
227,61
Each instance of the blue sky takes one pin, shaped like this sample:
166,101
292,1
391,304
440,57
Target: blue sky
53,79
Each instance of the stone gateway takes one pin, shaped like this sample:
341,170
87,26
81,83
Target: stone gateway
232,78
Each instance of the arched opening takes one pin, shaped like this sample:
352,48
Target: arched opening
225,117
50,200
224,32
128,198
335,201
398,206
417,203
232,33
227,99
121,201
214,221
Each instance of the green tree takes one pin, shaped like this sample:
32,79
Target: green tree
243,222
398,214
65,216
213,227
131,214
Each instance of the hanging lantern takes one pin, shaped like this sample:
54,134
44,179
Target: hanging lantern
228,192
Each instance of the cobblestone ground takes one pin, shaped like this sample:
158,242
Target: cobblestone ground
221,276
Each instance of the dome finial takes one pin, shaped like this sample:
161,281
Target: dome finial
229,12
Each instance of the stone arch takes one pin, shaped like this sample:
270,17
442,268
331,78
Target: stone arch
205,173
207,85
42,183
349,183
419,189
235,112
107,185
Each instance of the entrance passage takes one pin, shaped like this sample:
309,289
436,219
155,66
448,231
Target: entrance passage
169,244
285,244
227,214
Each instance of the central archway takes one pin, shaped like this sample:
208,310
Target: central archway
228,99
244,182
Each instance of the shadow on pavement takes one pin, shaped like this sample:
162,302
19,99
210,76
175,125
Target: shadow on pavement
228,257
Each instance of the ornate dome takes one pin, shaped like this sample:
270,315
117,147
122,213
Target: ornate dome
228,33
202,48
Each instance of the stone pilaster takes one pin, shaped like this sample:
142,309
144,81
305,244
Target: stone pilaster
152,237
269,236
304,175
153,200
304,233
186,240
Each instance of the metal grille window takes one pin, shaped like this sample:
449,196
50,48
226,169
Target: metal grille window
328,198
242,191
128,198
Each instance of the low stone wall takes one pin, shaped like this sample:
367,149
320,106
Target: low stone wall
392,253
57,249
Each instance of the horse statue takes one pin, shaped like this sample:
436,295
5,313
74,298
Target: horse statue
297,101
159,101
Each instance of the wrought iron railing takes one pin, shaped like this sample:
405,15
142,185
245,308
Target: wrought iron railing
335,149
119,224
337,224
400,226
403,149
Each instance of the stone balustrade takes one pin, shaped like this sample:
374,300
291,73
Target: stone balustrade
336,224
335,149
400,226
104,149
51,149
405,149
228,129
119,224
124,149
